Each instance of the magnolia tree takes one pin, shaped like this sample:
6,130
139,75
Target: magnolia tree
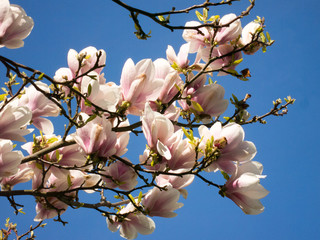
179,106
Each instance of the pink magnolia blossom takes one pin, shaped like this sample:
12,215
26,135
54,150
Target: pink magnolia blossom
157,129
48,208
89,57
197,40
183,154
15,25
176,181
230,142
170,79
248,34
9,160
40,107
131,224
65,156
229,33
24,174
86,180
122,139
120,175
223,61
138,85
13,122
162,203
59,180
244,187
210,98
181,60
195,84
177,154
97,137
105,95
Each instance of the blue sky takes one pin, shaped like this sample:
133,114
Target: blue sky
287,146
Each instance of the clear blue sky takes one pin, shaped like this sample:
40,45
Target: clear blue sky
287,146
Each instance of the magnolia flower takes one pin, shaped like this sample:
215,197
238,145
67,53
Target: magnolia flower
24,174
120,175
183,154
15,25
181,60
170,80
48,208
229,33
138,85
122,139
206,101
40,107
86,180
9,160
63,75
131,223
157,129
244,187
13,122
57,181
162,203
197,38
96,137
248,34
65,156
176,181
105,95
88,59
230,142
225,60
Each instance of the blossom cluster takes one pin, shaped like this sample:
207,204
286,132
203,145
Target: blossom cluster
169,95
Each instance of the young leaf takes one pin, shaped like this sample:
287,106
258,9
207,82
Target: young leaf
196,106
199,16
69,181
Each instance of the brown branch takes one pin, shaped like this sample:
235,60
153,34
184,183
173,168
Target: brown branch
153,16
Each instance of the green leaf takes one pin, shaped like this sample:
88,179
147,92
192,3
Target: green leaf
58,155
91,118
268,36
264,49
232,72
87,103
196,106
185,132
199,16
205,13
117,197
69,181
3,96
161,18
89,90
140,197
235,98
236,62
41,76
52,140
20,211
225,175
131,198
263,37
